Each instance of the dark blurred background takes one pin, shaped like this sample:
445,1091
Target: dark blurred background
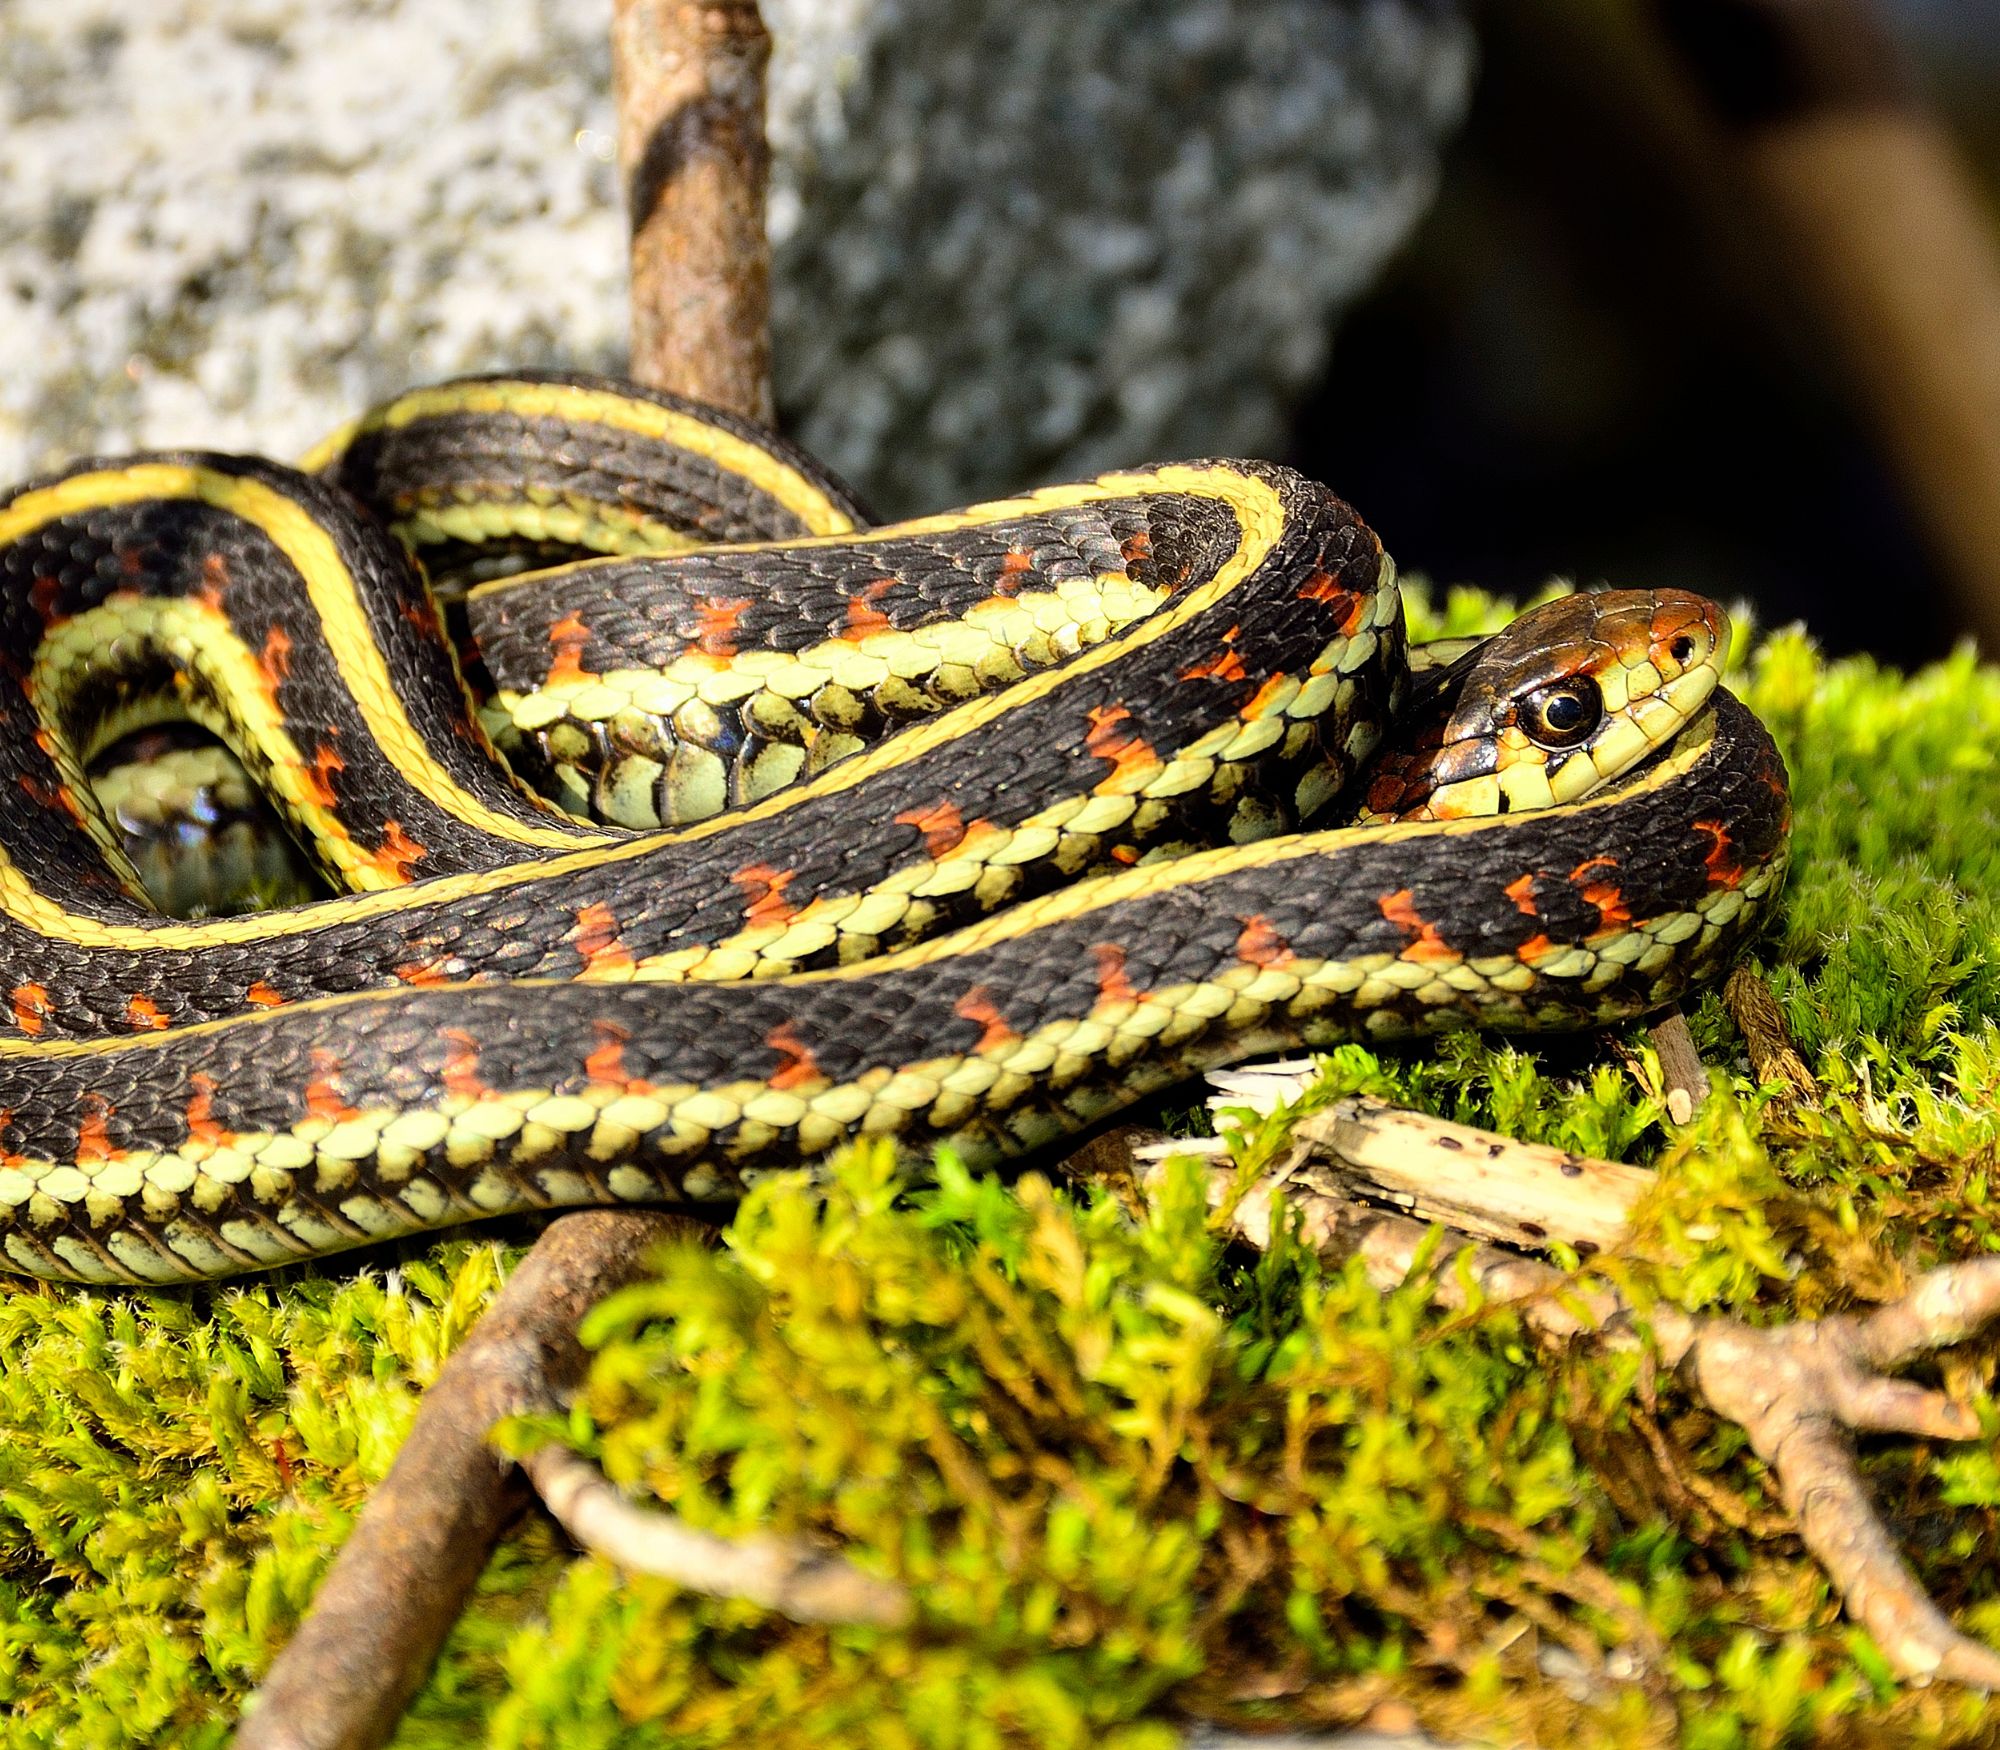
1602,353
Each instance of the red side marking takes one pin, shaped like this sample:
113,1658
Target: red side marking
1125,752
460,1074
397,851
276,661
977,1005
435,971
322,1097
764,894
1521,890
596,938
8,1158
264,996
319,777
93,1138
1723,868
144,1015
863,616
606,1063
31,1007
1322,586
1112,984
717,620
1261,945
1126,854
42,598
1592,877
214,581
1533,948
1136,547
201,1126
941,824
567,637
798,1065
1425,943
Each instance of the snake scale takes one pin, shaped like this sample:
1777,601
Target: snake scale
972,828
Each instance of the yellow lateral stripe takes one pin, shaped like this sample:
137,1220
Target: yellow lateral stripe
311,551
1061,906
1259,511
734,455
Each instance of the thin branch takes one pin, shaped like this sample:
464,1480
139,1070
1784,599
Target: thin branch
403,1576
778,1573
689,76
1683,1074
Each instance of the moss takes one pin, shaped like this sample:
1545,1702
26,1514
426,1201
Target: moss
1131,1471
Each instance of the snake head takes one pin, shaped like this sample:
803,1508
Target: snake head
1573,694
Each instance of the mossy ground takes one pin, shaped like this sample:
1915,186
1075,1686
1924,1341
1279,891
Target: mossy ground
1128,1469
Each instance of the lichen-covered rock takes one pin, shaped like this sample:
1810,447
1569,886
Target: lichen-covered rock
1015,238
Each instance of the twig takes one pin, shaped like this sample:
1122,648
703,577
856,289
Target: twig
689,77
405,1571
1798,1391
779,1573
1683,1074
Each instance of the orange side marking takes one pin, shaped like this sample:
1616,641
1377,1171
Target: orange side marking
276,660
1521,890
1425,943
1261,700
397,851
606,1063
1605,894
977,1005
863,616
460,1074
31,1007
319,778
265,996
567,638
93,1138
1127,753
799,1065
144,1015
717,622
1112,984
1261,945
322,1098
941,824
597,940
1723,868
214,581
764,891
201,1126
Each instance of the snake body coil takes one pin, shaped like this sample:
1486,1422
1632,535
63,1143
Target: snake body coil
987,926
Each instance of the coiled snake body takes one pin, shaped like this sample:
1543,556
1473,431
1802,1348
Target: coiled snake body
990,926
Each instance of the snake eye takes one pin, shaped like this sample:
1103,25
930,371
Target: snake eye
1682,649
1563,713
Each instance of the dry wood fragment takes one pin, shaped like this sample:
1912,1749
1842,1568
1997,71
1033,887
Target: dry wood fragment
1682,1073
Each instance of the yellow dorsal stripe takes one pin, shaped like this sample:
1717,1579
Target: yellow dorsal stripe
734,455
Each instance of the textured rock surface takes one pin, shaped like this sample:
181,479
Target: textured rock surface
1014,241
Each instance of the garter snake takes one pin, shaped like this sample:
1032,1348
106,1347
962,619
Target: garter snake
935,792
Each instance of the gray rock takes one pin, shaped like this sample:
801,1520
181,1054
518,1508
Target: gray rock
1014,240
